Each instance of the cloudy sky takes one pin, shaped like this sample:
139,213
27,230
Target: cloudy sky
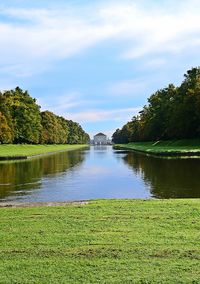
97,62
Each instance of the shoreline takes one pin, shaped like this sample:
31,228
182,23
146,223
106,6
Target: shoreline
41,204
9,158
26,157
161,154
45,204
179,148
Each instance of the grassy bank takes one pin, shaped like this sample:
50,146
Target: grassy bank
11,151
110,241
166,148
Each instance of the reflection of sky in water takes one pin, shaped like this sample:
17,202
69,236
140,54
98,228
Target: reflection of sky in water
90,174
100,172
100,175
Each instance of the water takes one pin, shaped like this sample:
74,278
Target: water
98,172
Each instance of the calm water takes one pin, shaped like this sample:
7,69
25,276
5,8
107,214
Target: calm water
98,172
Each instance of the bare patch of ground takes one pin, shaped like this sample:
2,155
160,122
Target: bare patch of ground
41,204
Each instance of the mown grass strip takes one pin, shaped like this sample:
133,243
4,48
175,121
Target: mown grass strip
20,151
166,148
104,241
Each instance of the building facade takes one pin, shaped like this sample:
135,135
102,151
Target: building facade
100,139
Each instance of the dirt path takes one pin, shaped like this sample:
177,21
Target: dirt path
40,204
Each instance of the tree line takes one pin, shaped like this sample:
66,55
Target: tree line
171,113
21,121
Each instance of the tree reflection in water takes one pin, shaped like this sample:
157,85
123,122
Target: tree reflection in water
99,172
19,177
167,178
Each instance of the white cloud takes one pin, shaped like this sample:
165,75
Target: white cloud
67,103
59,104
43,36
156,62
51,36
121,115
131,87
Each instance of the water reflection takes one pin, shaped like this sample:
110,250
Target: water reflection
167,178
98,172
19,177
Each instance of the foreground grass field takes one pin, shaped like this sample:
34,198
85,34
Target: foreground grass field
31,150
175,147
110,241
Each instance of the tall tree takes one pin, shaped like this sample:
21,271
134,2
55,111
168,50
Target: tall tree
25,114
171,113
22,122
6,134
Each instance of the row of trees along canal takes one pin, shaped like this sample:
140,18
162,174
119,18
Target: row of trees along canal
21,121
171,113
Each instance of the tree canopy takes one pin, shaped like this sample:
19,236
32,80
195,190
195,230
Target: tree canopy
171,113
22,122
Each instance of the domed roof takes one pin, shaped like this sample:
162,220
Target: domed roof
100,134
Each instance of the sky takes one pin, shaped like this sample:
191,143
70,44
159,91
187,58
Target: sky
97,62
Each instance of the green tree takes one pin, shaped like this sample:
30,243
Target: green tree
6,134
171,113
22,122
20,108
50,128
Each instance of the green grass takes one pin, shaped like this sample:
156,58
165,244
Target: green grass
31,150
182,147
105,241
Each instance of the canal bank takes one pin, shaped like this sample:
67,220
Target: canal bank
25,151
186,147
103,241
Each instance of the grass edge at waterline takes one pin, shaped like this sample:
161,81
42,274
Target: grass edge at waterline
184,147
24,151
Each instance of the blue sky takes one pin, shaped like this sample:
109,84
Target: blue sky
96,62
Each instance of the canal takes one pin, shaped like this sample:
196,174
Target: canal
98,172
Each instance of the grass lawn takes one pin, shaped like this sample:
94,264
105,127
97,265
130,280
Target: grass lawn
31,150
179,147
105,241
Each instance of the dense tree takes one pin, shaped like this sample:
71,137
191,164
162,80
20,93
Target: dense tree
58,130
22,122
52,131
6,135
64,132
76,134
171,113
19,107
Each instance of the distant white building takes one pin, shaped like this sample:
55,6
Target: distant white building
100,139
